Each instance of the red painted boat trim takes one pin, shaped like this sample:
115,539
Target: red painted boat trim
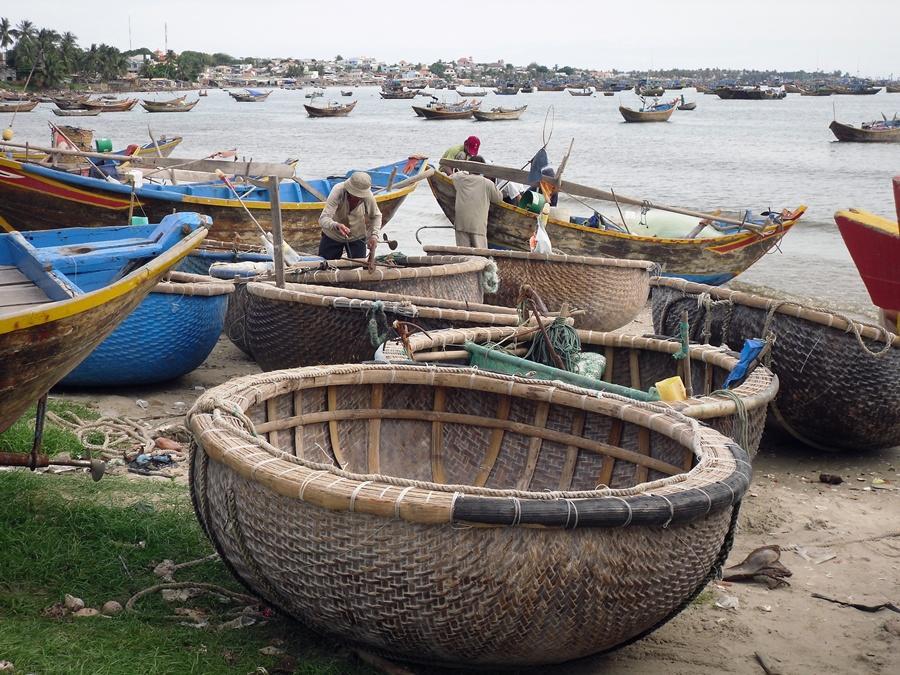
876,253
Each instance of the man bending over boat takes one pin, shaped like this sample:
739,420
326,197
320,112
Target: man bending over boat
466,151
350,220
474,196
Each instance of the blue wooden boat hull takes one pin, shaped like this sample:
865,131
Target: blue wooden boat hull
167,336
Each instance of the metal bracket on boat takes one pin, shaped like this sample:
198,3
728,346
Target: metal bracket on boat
432,227
35,460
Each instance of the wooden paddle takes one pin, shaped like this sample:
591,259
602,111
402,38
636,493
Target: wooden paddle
519,176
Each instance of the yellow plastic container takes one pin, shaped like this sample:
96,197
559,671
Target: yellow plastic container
671,389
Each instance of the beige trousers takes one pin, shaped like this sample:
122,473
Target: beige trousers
471,240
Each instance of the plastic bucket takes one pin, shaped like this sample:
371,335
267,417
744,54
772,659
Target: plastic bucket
103,145
532,201
140,220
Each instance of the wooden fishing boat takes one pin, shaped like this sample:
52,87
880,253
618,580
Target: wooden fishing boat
704,257
71,102
566,279
82,139
59,112
873,132
654,113
892,88
818,91
510,89
860,90
649,90
609,93
749,94
33,196
688,106
250,95
450,277
203,92
791,88
397,94
331,110
838,378
445,112
167,107
303,325
477,93
168,335
18,106
527,89
551,87
874,244
479,491
346,92
630,361
587,91
172,101
500,113
110,106
64,291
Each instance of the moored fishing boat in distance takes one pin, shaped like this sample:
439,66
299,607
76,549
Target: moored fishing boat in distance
874,245
694,247
330,110
250,95
178,105
756,93
64,291
879,131
586,91
18,106
456,111
60,112
653,112
500,113
110,106
33,196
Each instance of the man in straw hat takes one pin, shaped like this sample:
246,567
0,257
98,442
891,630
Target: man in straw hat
350,219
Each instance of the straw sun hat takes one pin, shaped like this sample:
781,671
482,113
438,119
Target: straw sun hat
359,184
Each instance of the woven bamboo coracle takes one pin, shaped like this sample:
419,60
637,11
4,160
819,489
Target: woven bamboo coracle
304,325
446,516
451,277
612,291
631,361
838,378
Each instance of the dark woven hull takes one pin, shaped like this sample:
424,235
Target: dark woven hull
833,394
281,333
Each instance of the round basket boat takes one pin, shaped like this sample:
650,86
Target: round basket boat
169,334
449,277
838,378
631,361
612,291
447,516
305,325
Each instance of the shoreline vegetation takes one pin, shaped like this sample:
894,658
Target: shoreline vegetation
49,60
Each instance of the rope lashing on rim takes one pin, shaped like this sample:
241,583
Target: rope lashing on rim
705,301
490,278
741,429
564,341
684,328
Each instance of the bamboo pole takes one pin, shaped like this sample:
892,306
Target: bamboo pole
277,234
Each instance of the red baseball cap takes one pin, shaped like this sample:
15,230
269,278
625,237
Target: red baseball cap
471,145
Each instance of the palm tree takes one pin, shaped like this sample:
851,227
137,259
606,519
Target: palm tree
6,34
68,45
24,31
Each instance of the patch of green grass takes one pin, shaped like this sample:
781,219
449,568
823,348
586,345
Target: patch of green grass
706,598
100,541
56,440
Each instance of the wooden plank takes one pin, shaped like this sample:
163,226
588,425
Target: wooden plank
298,429
437,438
520,176
634,368
306,185
568,470
272,416
373,447
277,233
707,378
496,440
522,428
23,295
610,354
615,437
640,473
534,445
333,430
11,275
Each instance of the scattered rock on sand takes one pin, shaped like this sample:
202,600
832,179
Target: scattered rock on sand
111,608
86,611
73,604
892,626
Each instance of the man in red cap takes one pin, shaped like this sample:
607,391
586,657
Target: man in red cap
466,151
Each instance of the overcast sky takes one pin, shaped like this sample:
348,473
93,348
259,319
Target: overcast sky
635,34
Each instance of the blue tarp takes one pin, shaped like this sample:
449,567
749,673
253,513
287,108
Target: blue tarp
751,350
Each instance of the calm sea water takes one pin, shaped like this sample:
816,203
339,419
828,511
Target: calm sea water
728,154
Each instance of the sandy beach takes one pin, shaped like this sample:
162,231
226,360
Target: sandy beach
841,541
